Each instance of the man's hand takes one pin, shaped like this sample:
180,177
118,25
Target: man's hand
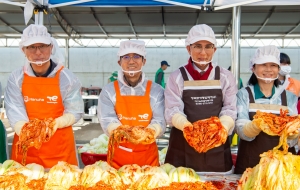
63,121
180,122
156,128
18,127
112,126
227,122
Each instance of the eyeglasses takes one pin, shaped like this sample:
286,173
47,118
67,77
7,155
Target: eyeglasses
126,58
208,48
42,48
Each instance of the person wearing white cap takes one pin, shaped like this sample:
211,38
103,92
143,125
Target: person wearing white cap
135,101
41,89
265,94
196,91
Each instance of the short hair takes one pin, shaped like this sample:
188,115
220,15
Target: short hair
284,58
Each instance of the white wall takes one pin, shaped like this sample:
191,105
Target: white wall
93,66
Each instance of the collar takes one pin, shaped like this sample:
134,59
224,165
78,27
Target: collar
199,70
258,94
50,69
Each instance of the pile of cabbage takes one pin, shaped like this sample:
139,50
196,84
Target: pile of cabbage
63,176
277,169
96,146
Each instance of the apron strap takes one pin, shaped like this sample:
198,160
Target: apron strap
183,73
251,98
58,72
283,98
148,88
117,89
217,73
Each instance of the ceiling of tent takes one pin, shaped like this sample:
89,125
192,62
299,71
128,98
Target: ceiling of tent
269,20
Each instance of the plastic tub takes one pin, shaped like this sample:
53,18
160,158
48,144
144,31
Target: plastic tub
90,158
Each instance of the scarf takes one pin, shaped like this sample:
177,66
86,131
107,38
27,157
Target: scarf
195,74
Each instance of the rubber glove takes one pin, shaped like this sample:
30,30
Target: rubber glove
112,126
251,130
293,136
63,121
156,128
180,122
18,127
227,122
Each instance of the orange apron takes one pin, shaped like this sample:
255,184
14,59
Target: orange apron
134,111
42,99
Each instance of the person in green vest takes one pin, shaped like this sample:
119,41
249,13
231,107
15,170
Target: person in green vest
159,76
113,77
3,143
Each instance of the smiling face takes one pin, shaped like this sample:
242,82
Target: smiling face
201,51
266,70
132,62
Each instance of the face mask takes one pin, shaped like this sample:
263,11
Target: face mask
267,80
131,73
202,62
38,63
285,70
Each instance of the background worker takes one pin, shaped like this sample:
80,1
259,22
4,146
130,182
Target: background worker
135,101
160,75
41,89
113,77
203,79
265,94
286,80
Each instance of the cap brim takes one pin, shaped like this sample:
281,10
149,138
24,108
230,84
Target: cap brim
35,40
266,59
201,38
131,50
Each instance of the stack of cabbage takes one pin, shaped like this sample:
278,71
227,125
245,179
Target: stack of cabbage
63,176
277,169
96,145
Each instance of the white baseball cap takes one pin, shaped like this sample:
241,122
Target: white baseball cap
265,54
132,46
35,34
200,32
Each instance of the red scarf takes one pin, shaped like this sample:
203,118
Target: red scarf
195,74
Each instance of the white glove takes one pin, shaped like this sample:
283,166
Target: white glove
180,122
227,123
63,121
112,126
18,127
156,128
251,130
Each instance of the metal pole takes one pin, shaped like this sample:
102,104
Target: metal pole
67,53
235,43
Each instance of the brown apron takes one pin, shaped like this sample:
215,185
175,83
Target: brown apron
202,99
249,151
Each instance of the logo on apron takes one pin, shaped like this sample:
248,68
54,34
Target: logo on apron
52,99
27,99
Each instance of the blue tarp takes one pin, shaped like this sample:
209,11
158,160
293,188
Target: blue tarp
129,3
